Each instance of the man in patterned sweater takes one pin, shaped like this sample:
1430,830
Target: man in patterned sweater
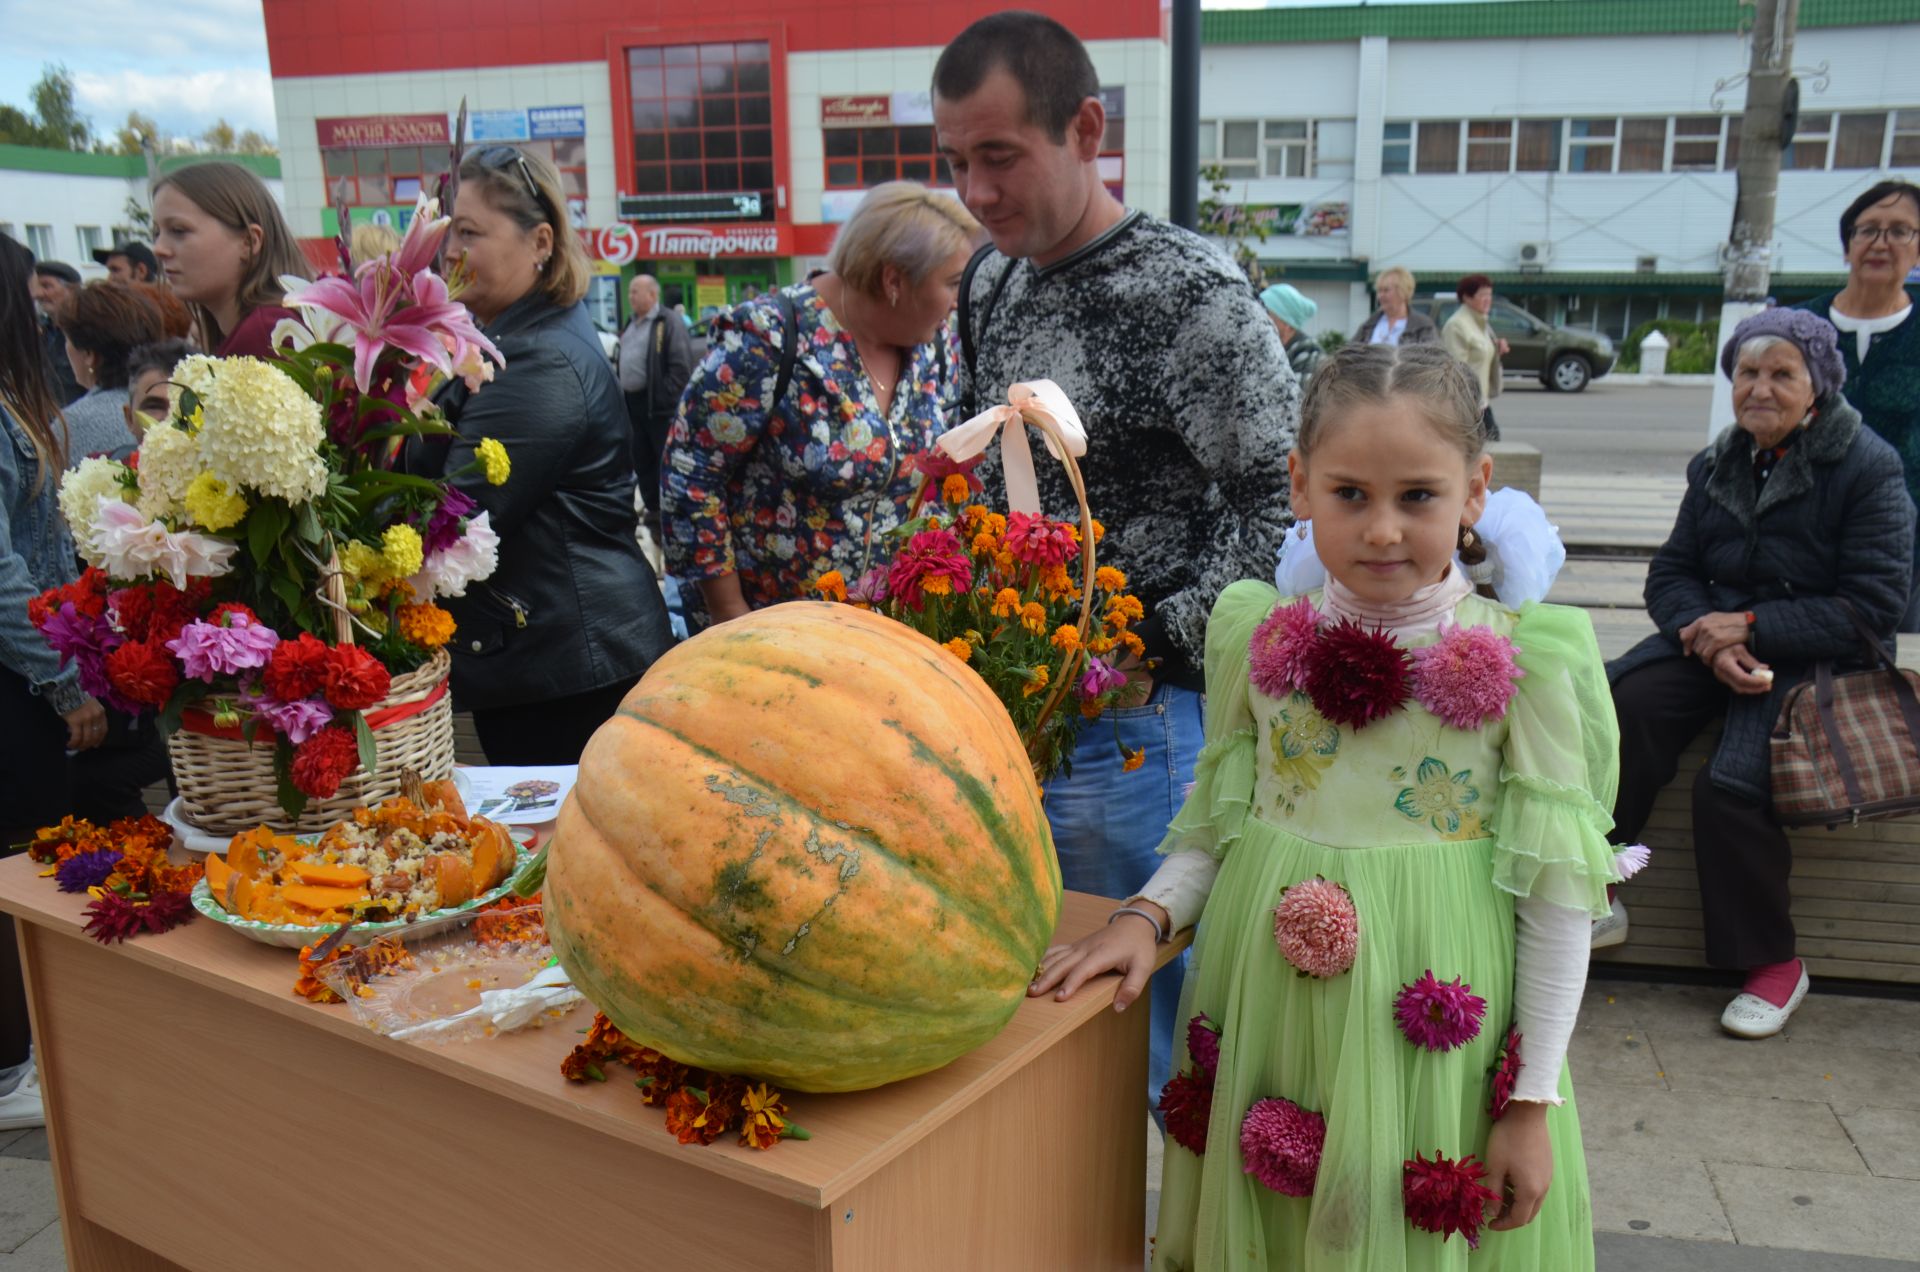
1184,387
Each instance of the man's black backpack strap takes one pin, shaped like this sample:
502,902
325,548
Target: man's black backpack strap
968,351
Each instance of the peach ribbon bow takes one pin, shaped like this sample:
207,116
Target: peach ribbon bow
1040,403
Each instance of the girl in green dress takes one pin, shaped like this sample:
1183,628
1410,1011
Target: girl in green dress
1394,847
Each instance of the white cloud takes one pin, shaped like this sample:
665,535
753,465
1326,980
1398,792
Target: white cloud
183,33
184,103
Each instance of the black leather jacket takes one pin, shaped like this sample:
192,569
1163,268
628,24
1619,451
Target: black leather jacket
574,605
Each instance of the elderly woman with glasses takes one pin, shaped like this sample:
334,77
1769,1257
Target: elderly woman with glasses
547,647
1795,523
1879,335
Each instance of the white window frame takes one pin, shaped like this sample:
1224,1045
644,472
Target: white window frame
1613,142
1409,141
1886,141
1303,143
1829,136
1467,143
1895,129
87,239
40,242
1675,138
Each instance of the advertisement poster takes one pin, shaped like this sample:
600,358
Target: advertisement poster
709,292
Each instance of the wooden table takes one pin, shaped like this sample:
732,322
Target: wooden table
201,1116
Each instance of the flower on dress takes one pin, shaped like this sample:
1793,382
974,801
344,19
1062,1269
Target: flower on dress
1317,928
1039,540
1506,1075
1280,1145
1203,1044
933,563
1468,677
1446,1196
1439,1015
1631,860
1355,675
1437,796
1282,648
1187,1103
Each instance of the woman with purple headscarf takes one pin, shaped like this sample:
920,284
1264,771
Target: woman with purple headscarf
1791,518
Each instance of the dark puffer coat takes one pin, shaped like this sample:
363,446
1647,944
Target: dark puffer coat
1832,523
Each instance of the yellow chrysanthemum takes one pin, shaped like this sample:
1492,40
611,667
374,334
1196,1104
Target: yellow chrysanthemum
955,489
1036,681
404,552
1066,638
959,649
1006,604
1033,617
493,456
214,504
363,564
832,586
428,626
1108,579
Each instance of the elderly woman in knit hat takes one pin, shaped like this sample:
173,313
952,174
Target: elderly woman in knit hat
1791,518
1291,312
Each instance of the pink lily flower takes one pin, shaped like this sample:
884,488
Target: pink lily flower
382,306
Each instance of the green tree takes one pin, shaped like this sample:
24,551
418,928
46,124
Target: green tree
130,137
1230,223
17,128
253,143
219,137
61,123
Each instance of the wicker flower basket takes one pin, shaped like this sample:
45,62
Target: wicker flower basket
227,785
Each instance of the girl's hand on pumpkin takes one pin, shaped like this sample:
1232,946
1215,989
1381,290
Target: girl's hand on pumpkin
1126,946
1519,1165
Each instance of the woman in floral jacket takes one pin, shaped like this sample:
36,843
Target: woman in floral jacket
761,497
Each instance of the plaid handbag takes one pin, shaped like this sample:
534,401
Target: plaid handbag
1847,748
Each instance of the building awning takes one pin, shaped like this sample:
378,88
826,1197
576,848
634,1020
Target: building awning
1557,282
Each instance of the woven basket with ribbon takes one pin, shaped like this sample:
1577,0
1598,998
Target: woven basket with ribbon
228,784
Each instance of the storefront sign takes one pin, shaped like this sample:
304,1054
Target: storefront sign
709,292
860,111
913,108
395,216
365,131
616,243
1306,220
676,241
497,125
557,121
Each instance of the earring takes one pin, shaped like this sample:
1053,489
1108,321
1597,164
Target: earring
893,297
1467,537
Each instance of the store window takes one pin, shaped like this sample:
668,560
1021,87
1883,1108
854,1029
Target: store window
1860,140
703,120
860,158
1333,145
382,175
1437,147
1809,147
1288,144
1245,149
1396,148
1696,143
1489,145
1539,149
88,238
1643,145
1590,145
1906,139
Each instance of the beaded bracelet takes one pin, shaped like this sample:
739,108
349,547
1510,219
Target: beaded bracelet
1159,933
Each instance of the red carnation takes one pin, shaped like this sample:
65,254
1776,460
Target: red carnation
88,594
1187,1101
355,679
165,609
323,761
1446,1196
1356,676
296,669
143,671
219,616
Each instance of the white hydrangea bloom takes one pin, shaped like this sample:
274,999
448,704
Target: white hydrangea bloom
263,432
169,461
81,491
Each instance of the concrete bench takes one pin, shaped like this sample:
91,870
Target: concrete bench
1516,464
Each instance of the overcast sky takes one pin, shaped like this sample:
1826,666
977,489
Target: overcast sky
184,62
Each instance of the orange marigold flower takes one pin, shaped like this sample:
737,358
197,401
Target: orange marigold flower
832,586
1122,610
659,1077
1007,604
959,648
975,515
581,1065
766,1119
936,585
1003,561
1131,759
1099,531
1057,583
954,489
1100,644
1036,681
1066,638
1091,710
996,525
985,544
1135,646
428,626
1108,579
1033,617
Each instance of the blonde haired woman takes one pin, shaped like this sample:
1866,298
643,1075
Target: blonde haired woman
225,247
548,645
1395,322
767,486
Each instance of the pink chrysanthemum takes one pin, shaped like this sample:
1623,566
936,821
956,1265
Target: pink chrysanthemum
1281,647
1631,860
1187,1102
1439,1015
1280,1145
1203,1045
933,562
1356,676
1317,928
1506,1075
1446,1196
1468,678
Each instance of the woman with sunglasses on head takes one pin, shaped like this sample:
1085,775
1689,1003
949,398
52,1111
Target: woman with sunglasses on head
1879,333
225,247
546,647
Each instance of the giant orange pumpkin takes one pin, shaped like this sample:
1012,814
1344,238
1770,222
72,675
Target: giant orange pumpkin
809,848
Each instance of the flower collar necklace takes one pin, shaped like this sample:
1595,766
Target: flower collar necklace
1355,674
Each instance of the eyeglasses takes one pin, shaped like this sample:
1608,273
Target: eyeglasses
500,158
1895,235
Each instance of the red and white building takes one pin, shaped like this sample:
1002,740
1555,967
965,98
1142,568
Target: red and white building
715,148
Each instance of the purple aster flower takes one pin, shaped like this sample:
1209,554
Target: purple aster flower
1439,1015
86,870
443,528
86,642
1099,677
298,720
1280,1145
1467,679
205,650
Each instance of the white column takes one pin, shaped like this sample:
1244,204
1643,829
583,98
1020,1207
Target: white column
1369,110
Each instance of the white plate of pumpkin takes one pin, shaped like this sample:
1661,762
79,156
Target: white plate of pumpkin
412,864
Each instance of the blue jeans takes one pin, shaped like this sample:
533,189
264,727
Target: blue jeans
1107,824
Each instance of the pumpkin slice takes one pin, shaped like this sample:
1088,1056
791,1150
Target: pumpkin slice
454,875
492,854
310,896
218,872
329,875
